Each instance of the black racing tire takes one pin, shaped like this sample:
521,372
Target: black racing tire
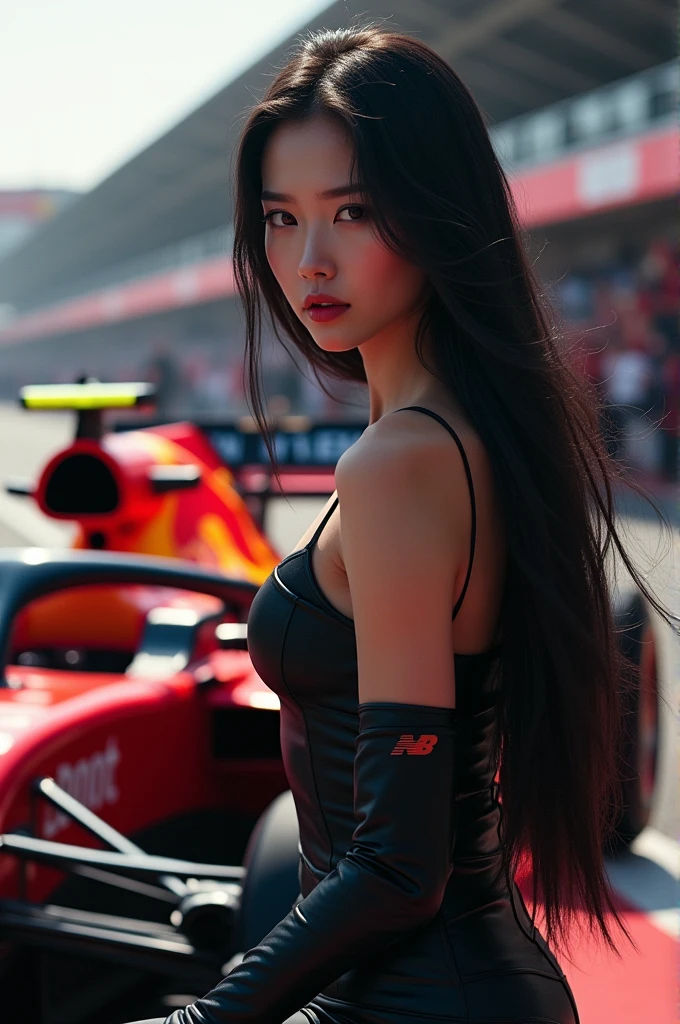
641,718
271,885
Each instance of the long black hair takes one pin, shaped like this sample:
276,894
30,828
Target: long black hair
439,199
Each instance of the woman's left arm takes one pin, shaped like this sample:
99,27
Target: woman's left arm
404,539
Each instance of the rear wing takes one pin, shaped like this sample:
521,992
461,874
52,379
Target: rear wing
299,442
89,398
312,446
306,451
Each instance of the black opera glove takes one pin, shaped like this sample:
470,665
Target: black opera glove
392,879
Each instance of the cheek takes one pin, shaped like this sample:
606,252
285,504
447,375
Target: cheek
277,262
284,268
392,282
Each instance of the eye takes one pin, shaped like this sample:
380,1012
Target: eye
268,217
351,207
354,206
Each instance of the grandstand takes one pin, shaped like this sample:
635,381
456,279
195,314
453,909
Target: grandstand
580,97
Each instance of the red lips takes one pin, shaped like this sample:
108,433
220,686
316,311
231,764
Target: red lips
317,297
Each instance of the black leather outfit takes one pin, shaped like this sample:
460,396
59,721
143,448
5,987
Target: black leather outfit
475,959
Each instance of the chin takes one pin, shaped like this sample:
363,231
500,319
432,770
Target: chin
335,344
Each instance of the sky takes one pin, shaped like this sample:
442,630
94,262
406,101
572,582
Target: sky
86,84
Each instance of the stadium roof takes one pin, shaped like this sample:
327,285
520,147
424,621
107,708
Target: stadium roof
515,56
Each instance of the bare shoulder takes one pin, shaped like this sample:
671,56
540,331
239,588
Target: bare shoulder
405,535
413,458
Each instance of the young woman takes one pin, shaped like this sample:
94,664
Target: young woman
450,605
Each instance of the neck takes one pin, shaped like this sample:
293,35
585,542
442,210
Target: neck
395,376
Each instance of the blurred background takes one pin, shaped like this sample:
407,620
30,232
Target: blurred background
115,218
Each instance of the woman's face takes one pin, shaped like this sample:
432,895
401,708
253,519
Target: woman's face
327,244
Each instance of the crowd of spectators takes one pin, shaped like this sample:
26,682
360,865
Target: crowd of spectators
195,379
626,316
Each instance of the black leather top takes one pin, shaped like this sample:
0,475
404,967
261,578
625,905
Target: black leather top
479,959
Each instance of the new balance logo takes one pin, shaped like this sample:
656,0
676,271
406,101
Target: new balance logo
407,745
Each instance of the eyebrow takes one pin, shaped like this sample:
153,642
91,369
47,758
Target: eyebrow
330,193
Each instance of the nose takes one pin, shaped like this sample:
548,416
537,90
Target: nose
315,259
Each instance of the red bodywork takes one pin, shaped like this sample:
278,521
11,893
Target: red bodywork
136,751
209,524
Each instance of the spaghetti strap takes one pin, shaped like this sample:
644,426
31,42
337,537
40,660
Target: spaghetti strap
473,532
428,412
317,533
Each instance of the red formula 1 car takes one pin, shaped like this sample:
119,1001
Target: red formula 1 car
147,836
